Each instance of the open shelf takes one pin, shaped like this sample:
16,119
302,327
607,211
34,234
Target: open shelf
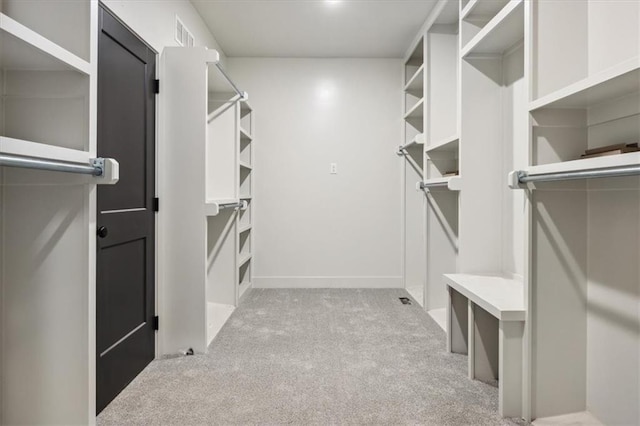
449,145
24,49
246,120
245,108
245,165
417,140
501,297
244,229
481,9
244,135
244,258
416,83
611,84
416,111
505,30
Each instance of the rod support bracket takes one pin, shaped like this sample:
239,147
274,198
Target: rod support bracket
98,164
107,170
513,180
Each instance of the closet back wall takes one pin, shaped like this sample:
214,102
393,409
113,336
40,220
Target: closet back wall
313,228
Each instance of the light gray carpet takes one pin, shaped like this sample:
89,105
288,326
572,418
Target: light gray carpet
314,357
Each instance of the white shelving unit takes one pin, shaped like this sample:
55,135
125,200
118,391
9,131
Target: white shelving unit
487,304
441,156
412,150
245,232
474,105
204,183
48,100
581,296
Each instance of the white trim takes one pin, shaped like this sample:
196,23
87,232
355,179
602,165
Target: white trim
328,282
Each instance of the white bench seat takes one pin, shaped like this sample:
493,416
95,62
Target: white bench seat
492,336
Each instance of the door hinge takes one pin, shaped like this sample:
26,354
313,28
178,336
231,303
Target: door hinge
156,323
156,86
156,204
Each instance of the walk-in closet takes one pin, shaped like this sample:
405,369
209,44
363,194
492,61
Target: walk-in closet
320,212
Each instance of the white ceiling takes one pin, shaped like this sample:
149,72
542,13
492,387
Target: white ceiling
314,28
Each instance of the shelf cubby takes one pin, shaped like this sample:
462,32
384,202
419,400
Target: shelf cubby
244,279
414,61
416,82
246,119
220,269
502,33
243,259
45,93
589,49
416,111
246,150
450,144
245,182
24,49
616,82
63,23
220,153
475,16
244,218
244,243
605,114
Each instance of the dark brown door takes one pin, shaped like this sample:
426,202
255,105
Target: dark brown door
126,218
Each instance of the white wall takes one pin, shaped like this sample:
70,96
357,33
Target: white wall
154,21
311,228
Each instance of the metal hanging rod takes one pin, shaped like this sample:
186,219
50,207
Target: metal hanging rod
94,168
239,205
423,185
417,140
243,95
523,177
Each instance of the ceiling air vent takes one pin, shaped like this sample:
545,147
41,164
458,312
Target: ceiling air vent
184,37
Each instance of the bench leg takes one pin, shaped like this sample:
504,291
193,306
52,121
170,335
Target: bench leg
484,328
457,334
510,365
471,332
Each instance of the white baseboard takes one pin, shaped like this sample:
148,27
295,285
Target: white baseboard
327,282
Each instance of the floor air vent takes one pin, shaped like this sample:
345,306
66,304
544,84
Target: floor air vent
405,300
